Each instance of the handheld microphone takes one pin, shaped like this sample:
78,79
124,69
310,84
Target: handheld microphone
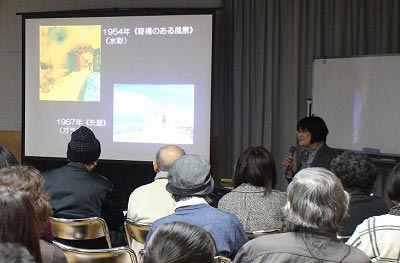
291,152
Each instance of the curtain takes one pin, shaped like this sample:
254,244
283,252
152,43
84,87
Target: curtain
264,56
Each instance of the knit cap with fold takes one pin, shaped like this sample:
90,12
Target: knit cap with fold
84,146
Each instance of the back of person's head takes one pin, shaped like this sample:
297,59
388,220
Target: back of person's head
393,184
7,158
15,253
180,242
190,176
316,126
84,147
255,166
167,155
356,171
18,223
316,200
29,180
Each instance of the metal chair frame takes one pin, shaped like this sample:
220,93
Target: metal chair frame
136,230
106,255
80,229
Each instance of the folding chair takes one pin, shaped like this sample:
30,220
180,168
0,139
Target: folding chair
136,230
82,233
106,255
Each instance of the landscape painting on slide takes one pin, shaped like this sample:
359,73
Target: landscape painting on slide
153,113
70,61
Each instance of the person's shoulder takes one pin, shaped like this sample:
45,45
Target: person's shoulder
141,192
278,194
272,242
227,199
53,171
357,256
148,187
224,216
163,220
103,180
329,151
386,219
51,253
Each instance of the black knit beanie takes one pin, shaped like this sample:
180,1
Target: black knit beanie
83,147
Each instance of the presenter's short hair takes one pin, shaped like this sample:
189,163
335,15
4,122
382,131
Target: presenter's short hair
316,200
316,126
255,166
179,242
394,184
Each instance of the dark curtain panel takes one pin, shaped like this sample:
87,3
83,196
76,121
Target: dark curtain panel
264,59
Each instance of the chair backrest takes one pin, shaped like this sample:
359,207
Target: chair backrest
74,232
106,255
221,259
258,233
136,230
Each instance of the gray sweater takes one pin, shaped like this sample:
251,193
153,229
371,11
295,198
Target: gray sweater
255,210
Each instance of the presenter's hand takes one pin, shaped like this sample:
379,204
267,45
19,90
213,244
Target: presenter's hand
288,163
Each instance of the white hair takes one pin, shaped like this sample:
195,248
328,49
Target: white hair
316,200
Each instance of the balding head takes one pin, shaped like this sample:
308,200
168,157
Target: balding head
166,156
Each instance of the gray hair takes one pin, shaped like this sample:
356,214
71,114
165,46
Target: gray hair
316,200
167,155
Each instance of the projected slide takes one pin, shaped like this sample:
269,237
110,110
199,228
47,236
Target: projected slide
139,82
70,63
159,114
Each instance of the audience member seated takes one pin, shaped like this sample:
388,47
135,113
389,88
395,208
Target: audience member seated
78,192
7,158
18,222
189,181
152,201
179,242
358,175
15,253
379,236
316,205
253,200
311,135
28,179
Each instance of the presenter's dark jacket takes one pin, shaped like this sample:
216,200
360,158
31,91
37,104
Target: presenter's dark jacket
78,193
323,158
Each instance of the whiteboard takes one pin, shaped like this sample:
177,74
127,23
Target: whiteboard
359,98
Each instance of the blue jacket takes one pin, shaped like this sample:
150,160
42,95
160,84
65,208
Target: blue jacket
225,228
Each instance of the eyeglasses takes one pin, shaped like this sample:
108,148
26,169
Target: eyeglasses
301,131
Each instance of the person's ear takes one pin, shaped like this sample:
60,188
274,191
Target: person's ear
155,167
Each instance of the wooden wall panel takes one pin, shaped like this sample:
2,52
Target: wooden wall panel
12,140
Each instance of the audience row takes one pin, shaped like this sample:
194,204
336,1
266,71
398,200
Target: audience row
319,205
